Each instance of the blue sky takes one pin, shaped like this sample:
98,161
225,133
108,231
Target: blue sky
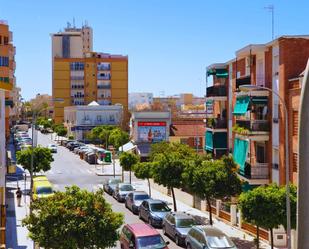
169,42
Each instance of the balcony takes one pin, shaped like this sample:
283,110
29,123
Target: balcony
216,91
104,67
80,78
257,130
104,77
216,123
77,86
246,80
256,174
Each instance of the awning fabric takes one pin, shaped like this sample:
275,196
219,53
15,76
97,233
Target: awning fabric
241,105
209,141
127,147
240,153
222,73
259,100
211,72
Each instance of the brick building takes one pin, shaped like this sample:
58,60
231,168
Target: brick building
255,120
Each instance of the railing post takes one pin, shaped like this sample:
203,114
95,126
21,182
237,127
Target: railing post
218,207
233,214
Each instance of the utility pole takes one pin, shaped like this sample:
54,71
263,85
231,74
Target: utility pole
271,9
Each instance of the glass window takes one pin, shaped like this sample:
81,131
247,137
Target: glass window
150,242
159,207
185,222
141,197
219,241
126,188
44,190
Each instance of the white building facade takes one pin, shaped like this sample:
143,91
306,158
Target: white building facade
79,120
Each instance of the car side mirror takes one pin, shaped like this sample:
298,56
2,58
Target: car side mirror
167,243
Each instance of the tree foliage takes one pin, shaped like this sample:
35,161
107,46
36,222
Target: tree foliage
118,137
100,134
42,158
144,170
127,161
212,179
73,219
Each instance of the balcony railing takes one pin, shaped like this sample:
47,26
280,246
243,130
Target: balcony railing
77,86
214,91
104,67
216,123
254,125
105,77
77,77
243,81
256,171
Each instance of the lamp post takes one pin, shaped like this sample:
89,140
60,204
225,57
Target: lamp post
250,88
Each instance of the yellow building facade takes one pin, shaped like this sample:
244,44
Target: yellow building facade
95,77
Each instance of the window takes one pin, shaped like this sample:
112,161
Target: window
4,61
0,39
99,118
5,40
295,123
112,118
260,153
77,66
295,162
184,140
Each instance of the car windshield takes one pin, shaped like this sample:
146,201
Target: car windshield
44,190
159,207
126,188
114,181
151,242
141,197
219,241
185,222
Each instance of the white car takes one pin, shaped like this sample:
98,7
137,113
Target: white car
52,147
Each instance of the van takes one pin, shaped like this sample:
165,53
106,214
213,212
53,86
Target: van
42,188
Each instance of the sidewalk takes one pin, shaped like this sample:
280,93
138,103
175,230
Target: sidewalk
16,234
242,239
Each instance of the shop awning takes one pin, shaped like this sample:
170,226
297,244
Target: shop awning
209,141
127,147
240,153
241,105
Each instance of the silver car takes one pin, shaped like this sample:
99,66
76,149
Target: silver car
177,225
135,199
122,190
208,237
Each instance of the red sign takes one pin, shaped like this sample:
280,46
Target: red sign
151,123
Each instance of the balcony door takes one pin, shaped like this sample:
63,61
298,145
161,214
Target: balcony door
260,153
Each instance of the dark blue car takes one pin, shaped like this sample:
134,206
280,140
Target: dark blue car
153,211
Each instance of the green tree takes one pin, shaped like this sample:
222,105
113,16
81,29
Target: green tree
73,219
42,158
144,171
127,161
118,138
261,207
212,179
101,133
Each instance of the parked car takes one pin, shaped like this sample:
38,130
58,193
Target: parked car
141,236
200,237
135,199
110,185
177,226
74,145
52,147
121,191
153,211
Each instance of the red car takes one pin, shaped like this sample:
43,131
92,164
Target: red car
140,236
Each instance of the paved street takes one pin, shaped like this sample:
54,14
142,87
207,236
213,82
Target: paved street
67,169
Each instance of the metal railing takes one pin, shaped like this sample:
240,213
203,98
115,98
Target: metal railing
257,171
246,80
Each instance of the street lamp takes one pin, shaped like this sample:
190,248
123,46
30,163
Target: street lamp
250,88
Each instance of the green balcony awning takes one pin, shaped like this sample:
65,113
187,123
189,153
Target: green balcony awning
259,100
240,153
211,72
209,141
222,73
241,105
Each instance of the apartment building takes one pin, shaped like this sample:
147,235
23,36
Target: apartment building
255,119
81,76
7,83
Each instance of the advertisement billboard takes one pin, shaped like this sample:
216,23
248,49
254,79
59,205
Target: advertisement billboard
151,132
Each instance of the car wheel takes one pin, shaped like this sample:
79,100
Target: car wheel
177,240
188,246
164,230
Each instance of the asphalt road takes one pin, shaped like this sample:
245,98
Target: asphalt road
67,169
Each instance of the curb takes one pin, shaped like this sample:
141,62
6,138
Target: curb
107,174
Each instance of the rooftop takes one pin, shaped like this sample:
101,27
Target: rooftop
187,128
